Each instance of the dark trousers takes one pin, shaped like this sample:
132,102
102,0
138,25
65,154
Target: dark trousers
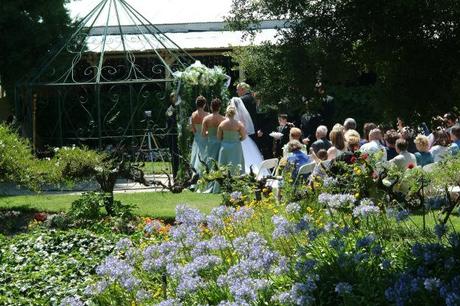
174,151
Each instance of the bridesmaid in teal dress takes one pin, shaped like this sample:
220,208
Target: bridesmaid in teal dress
209,131
231,132
199,143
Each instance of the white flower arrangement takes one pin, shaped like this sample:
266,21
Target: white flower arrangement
198,74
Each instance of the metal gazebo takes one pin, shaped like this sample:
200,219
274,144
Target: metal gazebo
96,88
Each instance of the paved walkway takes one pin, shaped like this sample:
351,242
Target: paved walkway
121,186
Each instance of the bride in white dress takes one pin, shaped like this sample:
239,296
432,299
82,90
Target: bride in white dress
251,152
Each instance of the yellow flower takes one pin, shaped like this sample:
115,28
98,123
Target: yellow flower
357,195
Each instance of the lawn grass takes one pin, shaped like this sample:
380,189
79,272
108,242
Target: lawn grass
152,204
156,204
157,167
430,220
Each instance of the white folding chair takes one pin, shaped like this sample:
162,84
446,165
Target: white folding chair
265,167
305,170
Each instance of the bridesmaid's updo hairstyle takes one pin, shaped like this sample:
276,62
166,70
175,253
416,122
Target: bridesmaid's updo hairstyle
200,101
215,104
231,111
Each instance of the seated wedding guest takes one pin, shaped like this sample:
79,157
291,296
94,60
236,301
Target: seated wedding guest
321,142
322,164
283,128
455,137
449,121
322,155
423,155
294,134
352,138
338,143
440,146
349,124
374,145
404,159
390,141
368,126
231,132
297,158
408,134
199,143
338,126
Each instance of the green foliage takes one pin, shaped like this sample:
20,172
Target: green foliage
89,208
29,30
42,267
79,164
18,165
393,58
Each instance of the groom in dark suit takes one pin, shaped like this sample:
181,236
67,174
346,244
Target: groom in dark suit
243,91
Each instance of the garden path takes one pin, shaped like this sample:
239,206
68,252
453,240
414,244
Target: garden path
121,186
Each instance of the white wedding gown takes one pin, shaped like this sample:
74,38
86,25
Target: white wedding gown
251,152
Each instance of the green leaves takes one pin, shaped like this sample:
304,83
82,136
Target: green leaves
403,53
41,268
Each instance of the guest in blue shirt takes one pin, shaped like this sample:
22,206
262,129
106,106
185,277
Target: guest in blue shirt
297,158
455,137
423,156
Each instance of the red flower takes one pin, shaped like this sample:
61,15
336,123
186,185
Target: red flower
353,159
364,155
40,217
410,166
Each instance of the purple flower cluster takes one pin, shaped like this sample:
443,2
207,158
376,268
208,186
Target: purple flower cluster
188,216
123,245
440,230
299,294
243,214
365,209
215,220
96,288
71,301
283,228
365,241
293,208
402,289
343,288
431,284
118,270
157,257
336,201
236,196
170,302
255,260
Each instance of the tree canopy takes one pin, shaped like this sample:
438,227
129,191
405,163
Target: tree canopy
384,57
29,29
